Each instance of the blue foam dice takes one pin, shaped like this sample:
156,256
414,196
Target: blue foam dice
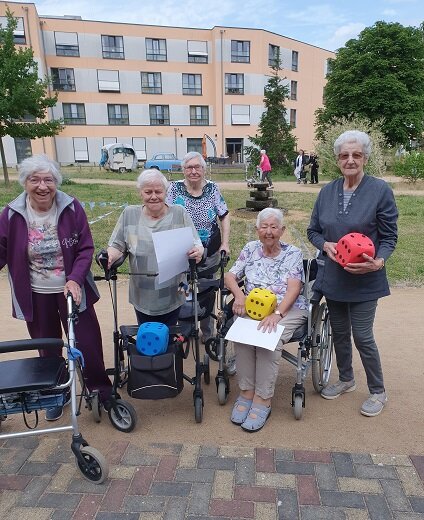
152,338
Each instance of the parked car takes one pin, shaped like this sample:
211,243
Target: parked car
164,161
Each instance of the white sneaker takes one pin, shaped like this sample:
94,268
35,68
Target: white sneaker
374,404
340,387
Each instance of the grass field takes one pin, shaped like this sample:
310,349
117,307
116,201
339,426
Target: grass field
103,204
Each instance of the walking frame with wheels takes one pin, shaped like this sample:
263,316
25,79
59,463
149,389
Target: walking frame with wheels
31,384
128,362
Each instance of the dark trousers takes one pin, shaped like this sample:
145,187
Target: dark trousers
170,318
314,176
356,319
266,176
50,311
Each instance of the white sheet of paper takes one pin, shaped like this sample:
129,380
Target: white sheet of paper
171,248
245,330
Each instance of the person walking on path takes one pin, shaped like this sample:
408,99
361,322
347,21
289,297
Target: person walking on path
363,204
265,166
314,168
299,165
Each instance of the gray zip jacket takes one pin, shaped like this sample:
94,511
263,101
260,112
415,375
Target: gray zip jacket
372,211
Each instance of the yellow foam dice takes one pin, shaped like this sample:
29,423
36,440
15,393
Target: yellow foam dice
260,303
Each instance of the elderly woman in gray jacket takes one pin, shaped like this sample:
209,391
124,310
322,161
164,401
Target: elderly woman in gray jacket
354,203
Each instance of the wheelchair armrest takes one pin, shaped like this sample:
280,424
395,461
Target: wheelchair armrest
22,345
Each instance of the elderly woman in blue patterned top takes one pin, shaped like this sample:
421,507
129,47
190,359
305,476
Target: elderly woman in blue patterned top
133,235
208,210
267,263
354,203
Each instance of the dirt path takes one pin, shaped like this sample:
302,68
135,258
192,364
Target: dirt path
326,425
400,187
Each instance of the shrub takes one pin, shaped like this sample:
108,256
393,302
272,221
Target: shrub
410,166
325,152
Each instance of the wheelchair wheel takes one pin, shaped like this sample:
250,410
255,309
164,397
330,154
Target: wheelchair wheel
126,423
95,467
298,407
96,409
322,349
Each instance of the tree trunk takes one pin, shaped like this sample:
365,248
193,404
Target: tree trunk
3,161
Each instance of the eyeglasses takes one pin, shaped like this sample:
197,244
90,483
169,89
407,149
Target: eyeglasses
196,167
35,181
356,156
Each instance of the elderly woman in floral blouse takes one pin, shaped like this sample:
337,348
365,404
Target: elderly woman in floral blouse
266,263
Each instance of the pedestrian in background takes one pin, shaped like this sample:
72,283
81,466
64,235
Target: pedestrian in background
265,166
314,168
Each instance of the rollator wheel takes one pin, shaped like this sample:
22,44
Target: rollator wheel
96,408
222,392
298,407
207,372
198,409
211,347
322,349
128,418
95,467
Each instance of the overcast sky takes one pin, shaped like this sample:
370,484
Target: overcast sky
327,24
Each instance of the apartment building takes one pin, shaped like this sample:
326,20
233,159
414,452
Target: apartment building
162,89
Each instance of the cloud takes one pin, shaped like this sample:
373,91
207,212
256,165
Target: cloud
345,33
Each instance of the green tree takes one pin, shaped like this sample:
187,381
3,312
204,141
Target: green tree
379,76
22,93
274,132
325,145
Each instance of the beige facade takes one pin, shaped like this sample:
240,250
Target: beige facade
162,89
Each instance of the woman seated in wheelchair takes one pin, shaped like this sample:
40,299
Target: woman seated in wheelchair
271,264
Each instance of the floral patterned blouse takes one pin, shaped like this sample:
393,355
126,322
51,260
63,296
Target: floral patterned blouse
204,211
270,273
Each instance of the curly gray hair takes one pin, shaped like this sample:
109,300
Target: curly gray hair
40,163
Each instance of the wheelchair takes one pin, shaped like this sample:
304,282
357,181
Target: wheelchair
315,343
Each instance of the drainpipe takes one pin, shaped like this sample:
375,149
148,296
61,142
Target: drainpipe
49,110
223,151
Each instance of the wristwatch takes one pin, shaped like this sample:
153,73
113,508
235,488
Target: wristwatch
382,265
278,313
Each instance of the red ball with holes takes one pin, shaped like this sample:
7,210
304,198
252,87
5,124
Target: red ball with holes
351,246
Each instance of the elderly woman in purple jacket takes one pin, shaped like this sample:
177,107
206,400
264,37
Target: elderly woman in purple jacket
46,243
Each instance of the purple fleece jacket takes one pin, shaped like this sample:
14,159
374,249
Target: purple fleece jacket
76,243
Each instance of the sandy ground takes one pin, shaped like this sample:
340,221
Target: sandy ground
326,425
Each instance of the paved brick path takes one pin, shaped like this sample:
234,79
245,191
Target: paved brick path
39,481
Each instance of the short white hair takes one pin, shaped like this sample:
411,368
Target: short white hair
268,213
193,155
40,163
354,136
151,175
263,151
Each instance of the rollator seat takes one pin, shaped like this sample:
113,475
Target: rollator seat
23,375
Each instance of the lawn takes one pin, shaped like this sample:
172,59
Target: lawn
103,204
